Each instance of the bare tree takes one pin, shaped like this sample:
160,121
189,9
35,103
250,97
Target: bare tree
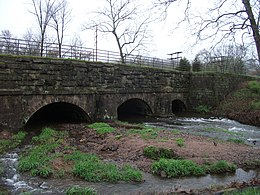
224,58
60,21
122,19
32,44
226,18
43,10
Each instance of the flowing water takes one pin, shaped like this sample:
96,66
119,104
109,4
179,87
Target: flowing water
212,127
220,128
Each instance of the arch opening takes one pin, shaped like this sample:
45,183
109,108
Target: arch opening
178,107
133,108
57,113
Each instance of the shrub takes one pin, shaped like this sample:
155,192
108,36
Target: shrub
203,109
180,142
157,153
255,104
8,144
254,86
101,128
75,190
177,168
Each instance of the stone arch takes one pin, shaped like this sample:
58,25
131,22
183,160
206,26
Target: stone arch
133,107
58,112
178,106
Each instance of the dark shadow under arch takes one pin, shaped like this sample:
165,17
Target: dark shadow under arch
178,106
133,108
56,113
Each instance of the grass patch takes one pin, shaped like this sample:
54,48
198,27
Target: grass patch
157,153
220,167
76,190
101,128
37,159
247,191
238,141
254,87
180,142
177,168
255,105
221,130
176,131
90,168
145,132
8,144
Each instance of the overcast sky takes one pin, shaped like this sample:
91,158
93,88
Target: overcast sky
166,39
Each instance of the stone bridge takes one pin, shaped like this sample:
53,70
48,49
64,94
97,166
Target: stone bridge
34,88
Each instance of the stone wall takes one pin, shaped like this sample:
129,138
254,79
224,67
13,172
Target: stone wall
211,88
30,83
27,84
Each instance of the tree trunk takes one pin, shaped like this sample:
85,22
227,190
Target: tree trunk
254,26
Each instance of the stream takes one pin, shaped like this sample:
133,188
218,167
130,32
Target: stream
213,127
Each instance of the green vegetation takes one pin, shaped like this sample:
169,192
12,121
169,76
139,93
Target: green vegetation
220,167
179,168
247,191
75,190
255,105
90,168
1,169
145,132
216,129
238,141
157,153
176,131
254,87
180,142
37,159
203,109
49,146
102,128
8,144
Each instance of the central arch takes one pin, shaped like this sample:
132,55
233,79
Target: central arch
133,108
58,112
178,106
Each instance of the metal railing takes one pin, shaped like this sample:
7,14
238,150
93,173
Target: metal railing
33,48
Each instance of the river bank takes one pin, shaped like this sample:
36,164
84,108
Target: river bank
125,145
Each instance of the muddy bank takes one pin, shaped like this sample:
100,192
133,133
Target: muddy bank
125,146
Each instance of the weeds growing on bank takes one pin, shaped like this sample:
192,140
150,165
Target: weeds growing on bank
90,168
145,132
180,142
216,129
102,128
247,191
157,153
75,190
49,145
179,168
8,144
